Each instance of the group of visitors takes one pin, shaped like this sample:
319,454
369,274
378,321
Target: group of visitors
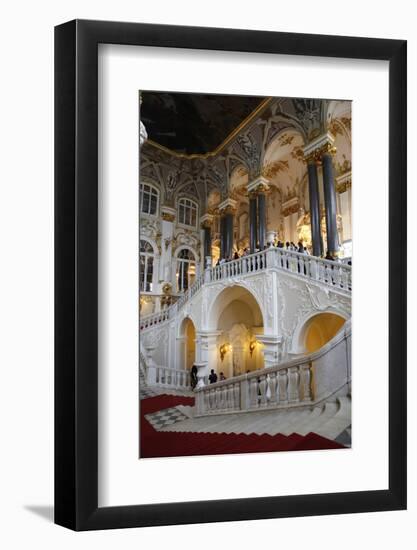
292,247
277,244
212,377
288,245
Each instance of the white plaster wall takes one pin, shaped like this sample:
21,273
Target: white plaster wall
346,213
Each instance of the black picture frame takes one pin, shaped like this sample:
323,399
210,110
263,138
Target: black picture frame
76,272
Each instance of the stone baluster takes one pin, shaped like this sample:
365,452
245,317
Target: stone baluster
224,398
236,391
230,396
283,382
211,399
306,382
244,266
272,385
253,392
244,395
344,279
218,396
314,273
206,400
336,275
300,265
293,384
197,400
262,388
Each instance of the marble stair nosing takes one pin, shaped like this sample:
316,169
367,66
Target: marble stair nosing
339,422
330,409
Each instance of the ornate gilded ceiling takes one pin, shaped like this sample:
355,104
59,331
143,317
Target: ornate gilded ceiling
193,123
238,138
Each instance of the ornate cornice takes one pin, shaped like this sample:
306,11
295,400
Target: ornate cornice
344,182
291,207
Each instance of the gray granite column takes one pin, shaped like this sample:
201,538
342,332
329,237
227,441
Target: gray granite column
330,204
262,219
313,188
207,242
253,233
222,236
229,234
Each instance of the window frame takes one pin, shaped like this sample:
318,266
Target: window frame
141,192
193,203
147,256
179,267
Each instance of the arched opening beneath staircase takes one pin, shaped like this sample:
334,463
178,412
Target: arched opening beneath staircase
237,318
318,330
188,337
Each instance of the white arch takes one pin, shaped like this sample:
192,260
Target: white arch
186,247
151,242
213,316
180,326
297,341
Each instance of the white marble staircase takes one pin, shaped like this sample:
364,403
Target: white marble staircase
329,419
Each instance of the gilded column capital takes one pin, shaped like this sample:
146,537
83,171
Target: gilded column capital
259,185
314,151
206,221
228,206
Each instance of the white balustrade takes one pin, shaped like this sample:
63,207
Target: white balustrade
167,377
333,273
286,385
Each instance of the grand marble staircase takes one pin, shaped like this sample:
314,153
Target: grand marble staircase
330,419
168,428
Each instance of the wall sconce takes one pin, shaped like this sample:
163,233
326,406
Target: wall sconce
252,347
224,348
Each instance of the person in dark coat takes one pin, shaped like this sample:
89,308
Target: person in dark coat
212,377
193,377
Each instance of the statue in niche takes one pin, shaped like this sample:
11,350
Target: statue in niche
171,184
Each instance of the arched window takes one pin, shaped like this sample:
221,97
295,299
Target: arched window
148,199
185,269
146,262
187,212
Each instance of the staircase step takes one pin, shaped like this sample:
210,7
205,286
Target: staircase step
339,422
329,410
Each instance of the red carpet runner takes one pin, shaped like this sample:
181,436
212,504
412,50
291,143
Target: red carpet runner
164,444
